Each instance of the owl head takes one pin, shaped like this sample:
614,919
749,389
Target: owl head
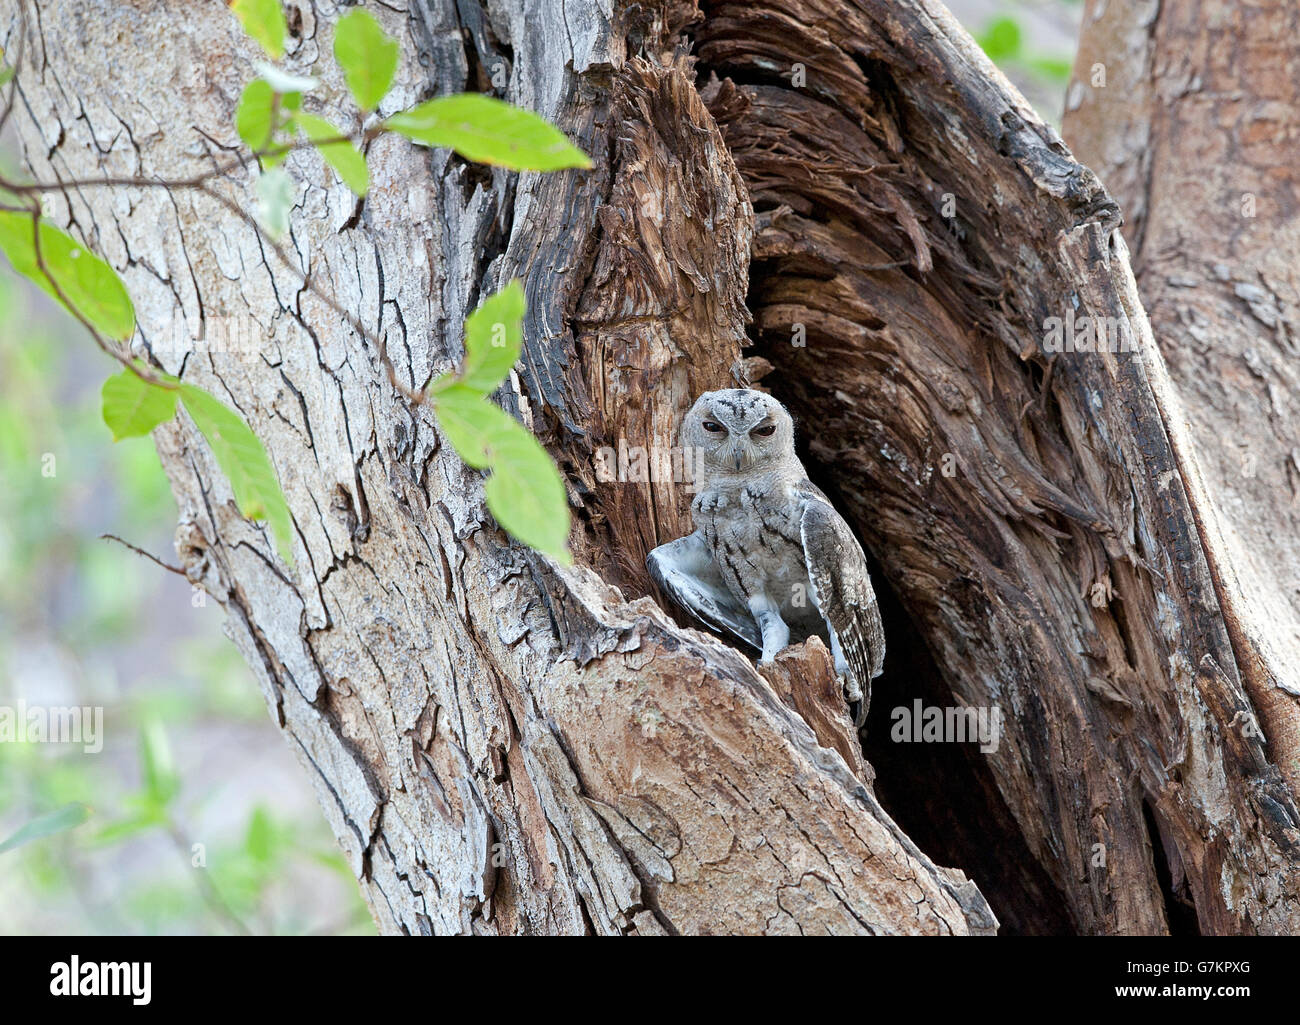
738,431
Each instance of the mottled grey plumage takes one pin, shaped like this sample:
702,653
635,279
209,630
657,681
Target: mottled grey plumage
770,561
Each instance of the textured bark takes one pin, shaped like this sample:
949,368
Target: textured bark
1214,180
1196,139
501,745
504,745
1063,572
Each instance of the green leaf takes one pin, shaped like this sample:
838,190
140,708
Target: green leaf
1001,39
494,338
244,461
253,117
1057,69
161,781
90,284
526,495
130,826
276,194
133,407
259,839
341,155
470,423
525,492
67,817
264,21
489,131
367,55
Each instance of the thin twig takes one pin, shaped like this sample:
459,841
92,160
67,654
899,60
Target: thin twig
201,183
148,555
107,346
198,181
207,889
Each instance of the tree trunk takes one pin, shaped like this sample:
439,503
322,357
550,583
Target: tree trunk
504,745
1194,140
1198,141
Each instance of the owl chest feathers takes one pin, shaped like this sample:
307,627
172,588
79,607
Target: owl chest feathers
753,531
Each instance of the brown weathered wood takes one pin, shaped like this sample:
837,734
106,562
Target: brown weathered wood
803,676
1058,571
1215,89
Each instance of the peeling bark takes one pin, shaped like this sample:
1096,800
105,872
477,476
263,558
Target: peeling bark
1208,184
503,745
1060,569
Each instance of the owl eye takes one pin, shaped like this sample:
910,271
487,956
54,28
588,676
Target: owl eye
766,431
712,428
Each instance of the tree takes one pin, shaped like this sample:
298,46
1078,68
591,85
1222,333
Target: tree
503,743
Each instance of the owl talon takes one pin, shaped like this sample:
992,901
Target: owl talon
854,699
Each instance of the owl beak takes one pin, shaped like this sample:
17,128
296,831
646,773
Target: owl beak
739,459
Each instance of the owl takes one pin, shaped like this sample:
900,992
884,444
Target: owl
770,561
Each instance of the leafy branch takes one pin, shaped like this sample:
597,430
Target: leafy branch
524,492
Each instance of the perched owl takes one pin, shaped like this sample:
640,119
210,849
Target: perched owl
770,561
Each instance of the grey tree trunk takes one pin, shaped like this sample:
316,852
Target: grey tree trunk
504,745
1195,138
1196,141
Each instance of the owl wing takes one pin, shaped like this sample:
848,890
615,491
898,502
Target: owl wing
842,591
685,571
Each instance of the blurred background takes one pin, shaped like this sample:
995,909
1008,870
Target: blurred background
1032,41
195,817
190,756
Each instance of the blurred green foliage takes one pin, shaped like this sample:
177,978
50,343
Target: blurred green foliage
1004,42
84,621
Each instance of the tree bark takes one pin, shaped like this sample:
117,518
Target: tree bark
1066,568
1212,176
1195,140
504,745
